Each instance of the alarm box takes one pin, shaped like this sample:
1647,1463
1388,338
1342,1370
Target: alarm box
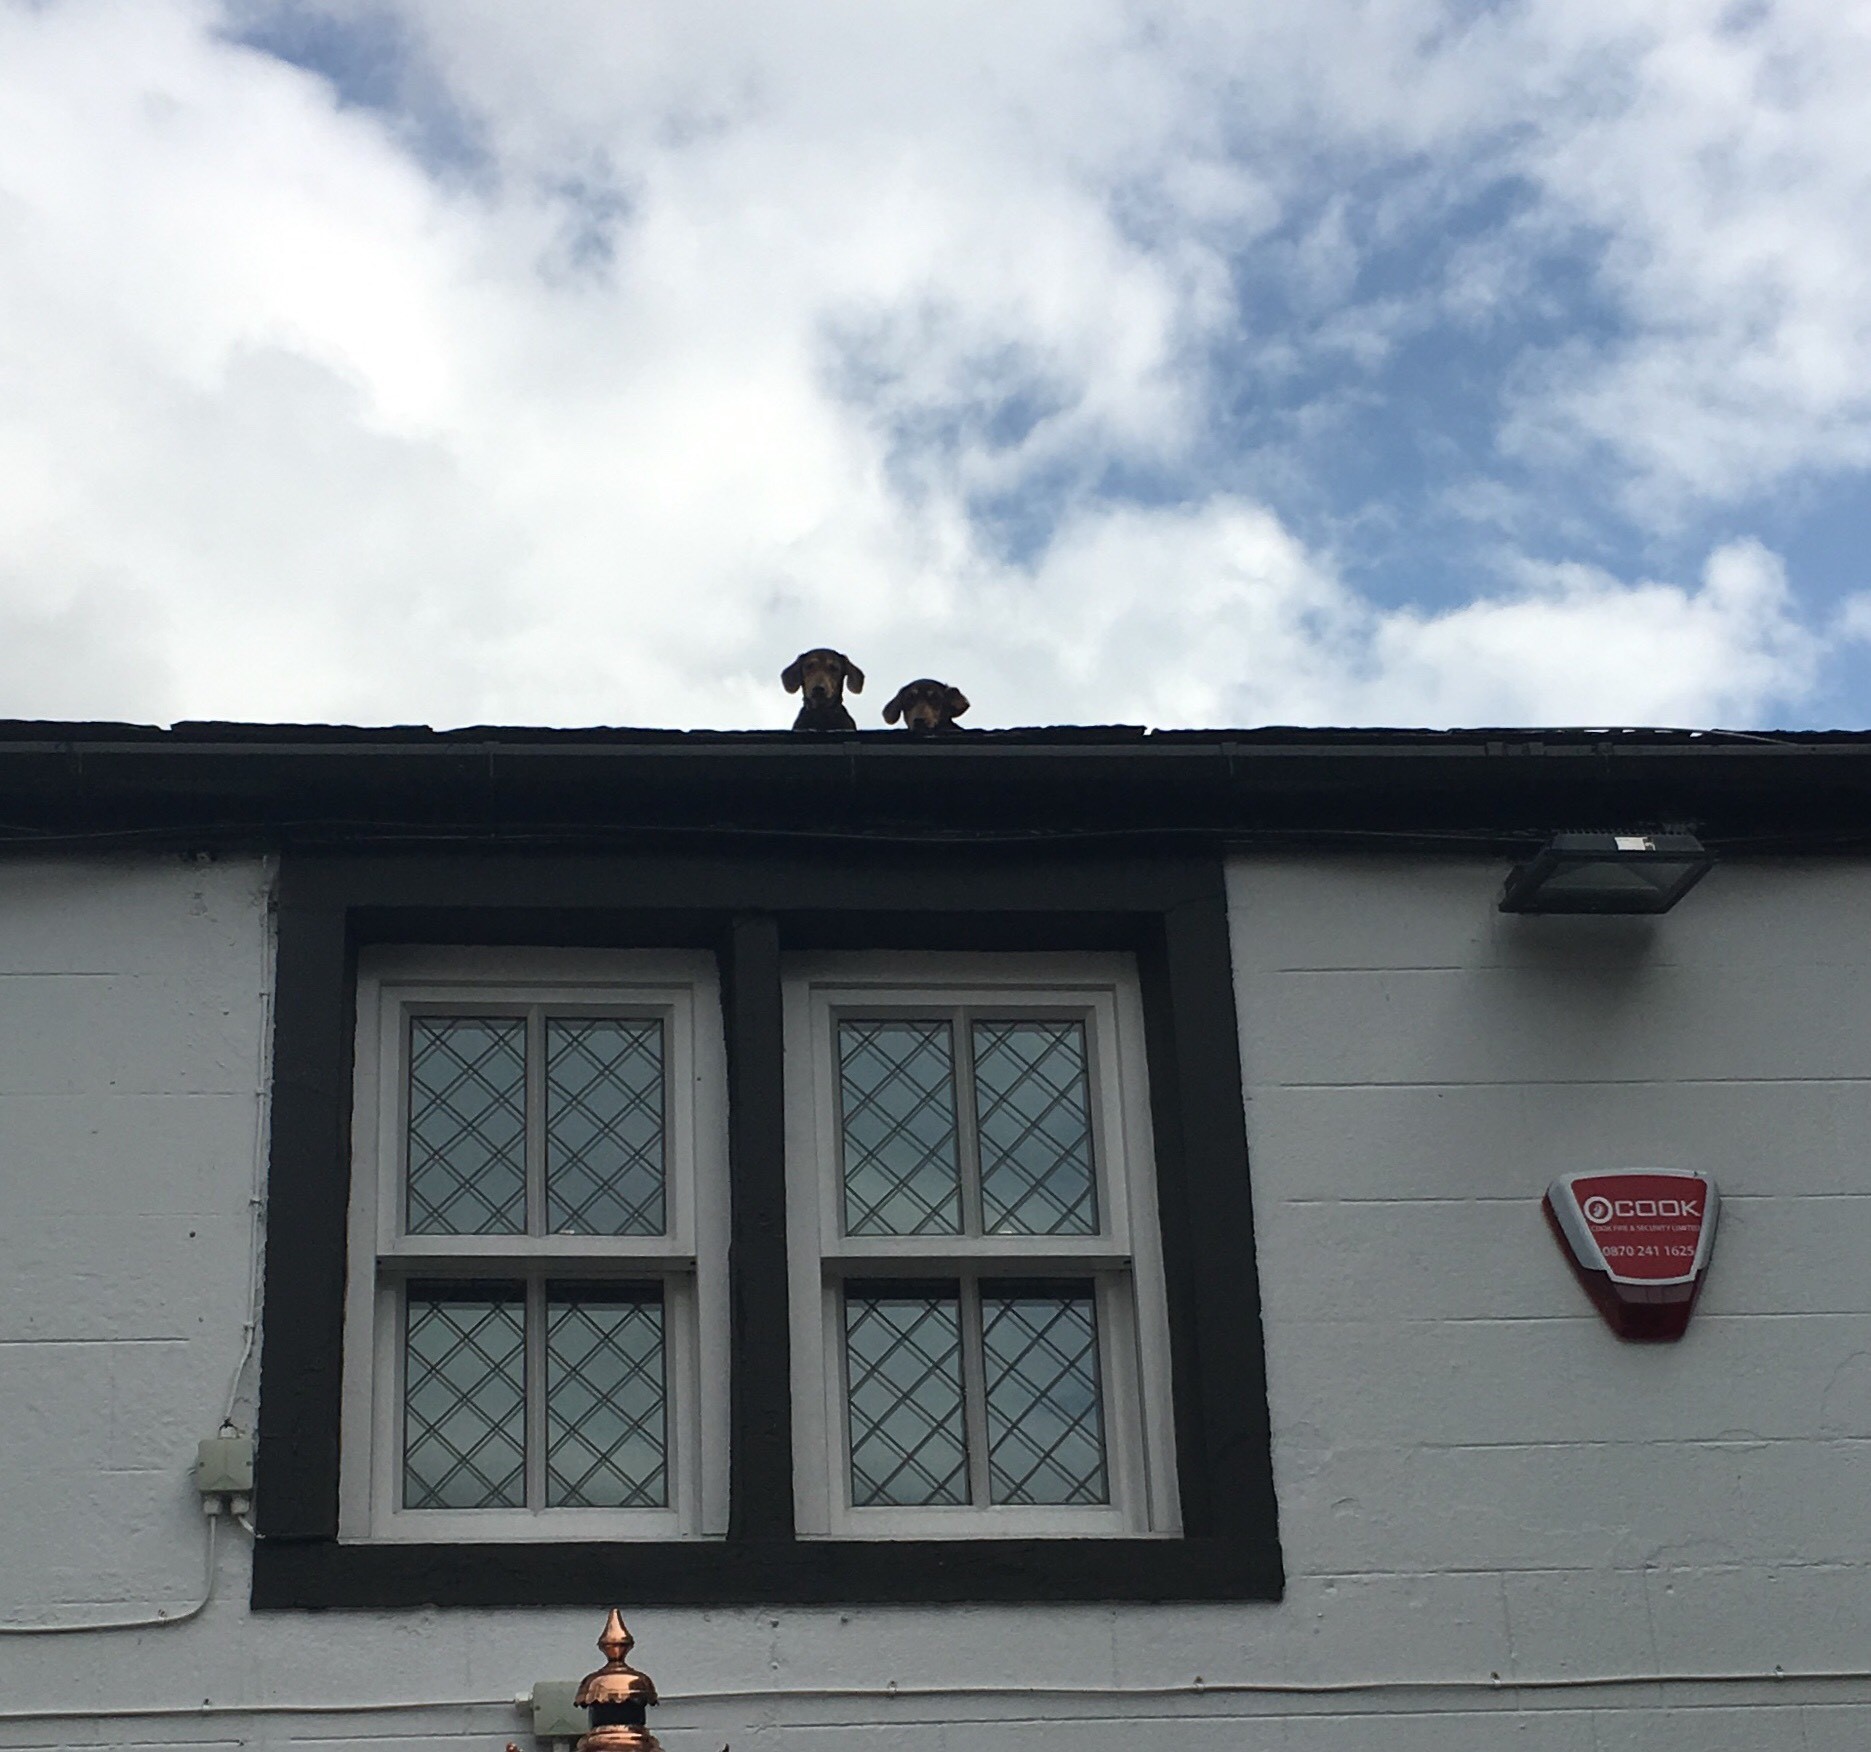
1639,1241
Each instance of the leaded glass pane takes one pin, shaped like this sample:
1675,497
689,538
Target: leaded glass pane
902,1168
1045,1414
467,1126
607,1442
604,1126
1034,1105
909,1446
464,1399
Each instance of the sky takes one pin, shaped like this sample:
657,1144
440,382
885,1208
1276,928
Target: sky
1173,362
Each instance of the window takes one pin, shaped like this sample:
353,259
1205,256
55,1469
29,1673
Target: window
980,1346
1088,1311
536,1333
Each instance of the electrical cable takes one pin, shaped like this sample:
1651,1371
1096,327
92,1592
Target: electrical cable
886,1694
262,1118
161,1621
354,832
1486,841
1285,1687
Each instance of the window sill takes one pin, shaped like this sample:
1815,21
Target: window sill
313,1573
547,1529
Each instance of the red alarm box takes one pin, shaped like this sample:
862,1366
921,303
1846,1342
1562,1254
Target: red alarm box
1639,1241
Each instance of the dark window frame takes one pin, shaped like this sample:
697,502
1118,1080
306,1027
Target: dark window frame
750,905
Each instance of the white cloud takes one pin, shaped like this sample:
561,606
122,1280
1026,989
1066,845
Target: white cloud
1717,160
1579,647
721,356
1220,617
1854,619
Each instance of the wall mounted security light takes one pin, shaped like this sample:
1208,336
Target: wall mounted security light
1607,873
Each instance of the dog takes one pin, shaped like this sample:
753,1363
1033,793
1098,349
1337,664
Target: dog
926,705
822,675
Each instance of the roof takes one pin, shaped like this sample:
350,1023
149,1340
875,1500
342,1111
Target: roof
213,785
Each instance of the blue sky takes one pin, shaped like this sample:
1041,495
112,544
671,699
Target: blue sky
1166,361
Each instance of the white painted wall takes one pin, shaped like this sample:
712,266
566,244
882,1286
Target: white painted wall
1474,1475
1475,1478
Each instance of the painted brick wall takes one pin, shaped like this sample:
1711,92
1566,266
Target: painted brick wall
1463,1450
1475,1478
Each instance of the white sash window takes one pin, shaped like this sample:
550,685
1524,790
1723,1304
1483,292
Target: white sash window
979,1339
536,1332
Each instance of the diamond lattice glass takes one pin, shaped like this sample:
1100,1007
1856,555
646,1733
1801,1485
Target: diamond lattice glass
897,1091
1034,1110
604,1126
464,1399
606,1401
467,1126
903,1367
1045,1414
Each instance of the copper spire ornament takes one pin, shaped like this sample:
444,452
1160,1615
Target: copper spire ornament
617,1696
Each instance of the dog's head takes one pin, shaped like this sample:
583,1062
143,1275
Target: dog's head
822,675
926,705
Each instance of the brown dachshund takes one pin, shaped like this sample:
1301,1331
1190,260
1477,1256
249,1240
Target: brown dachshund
926,705
822,676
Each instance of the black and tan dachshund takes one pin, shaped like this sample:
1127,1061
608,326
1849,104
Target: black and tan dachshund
926,705
822,675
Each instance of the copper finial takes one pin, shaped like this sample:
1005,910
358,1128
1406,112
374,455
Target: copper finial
617,1696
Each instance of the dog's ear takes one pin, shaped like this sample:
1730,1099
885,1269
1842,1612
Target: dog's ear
854,676
894,710
957,702
791,678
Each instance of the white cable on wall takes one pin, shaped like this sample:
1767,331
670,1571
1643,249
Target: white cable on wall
158,1621
887,1694
262,1130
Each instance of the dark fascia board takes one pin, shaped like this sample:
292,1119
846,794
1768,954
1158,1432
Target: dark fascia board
207,786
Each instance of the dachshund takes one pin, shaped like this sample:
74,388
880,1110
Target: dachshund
822,675
926,705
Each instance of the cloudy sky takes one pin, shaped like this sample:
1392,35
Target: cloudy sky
1162,361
